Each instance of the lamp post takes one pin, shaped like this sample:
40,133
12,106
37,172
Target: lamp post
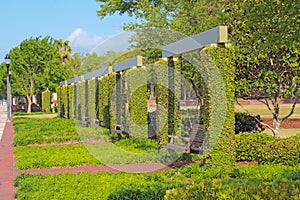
7,61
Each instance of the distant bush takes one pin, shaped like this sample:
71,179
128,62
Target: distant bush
247,123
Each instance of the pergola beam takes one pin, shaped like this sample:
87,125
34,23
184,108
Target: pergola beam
129,63
217,35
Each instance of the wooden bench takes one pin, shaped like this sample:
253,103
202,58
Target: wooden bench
193,142
117,129
96,123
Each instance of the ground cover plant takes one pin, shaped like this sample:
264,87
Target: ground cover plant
58,130
47,130
191,182
138,145
32,157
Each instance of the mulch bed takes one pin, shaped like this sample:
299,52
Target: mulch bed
289,123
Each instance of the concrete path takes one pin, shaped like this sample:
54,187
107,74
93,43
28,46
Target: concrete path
3,118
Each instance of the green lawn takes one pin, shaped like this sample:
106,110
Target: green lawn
284,133
263,111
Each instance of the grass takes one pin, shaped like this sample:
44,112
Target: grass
263,111
284,133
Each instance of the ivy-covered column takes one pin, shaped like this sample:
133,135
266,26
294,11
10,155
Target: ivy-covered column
91,103
171,96
219,63
46,95
138,101
71,100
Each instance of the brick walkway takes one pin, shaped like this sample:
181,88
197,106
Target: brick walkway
7,172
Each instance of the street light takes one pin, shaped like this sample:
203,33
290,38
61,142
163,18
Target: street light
7,61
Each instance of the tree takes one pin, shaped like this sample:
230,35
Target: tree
93,61
266,36
3,73
36,65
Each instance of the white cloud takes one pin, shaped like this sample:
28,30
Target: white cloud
82,41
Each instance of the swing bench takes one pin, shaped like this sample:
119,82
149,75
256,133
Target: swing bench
194,141
117,129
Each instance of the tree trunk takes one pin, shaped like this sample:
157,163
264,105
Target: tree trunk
28,98
276,125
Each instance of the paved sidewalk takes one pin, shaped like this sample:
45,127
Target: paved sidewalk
3,118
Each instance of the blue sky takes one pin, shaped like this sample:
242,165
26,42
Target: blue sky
75,20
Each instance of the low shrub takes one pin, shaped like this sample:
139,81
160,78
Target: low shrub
237,189
247,123
267,149
281,151
248,145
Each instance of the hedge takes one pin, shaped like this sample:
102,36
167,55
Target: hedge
267,149
237,189
46,97
248,145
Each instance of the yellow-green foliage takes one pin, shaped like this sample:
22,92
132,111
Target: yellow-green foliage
104,102
222,155
65,101
80,98
138,96
58,91
92,99
111,99
167,94
71,100
46,101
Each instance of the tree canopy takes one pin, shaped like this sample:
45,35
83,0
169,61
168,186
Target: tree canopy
266,37
36,65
